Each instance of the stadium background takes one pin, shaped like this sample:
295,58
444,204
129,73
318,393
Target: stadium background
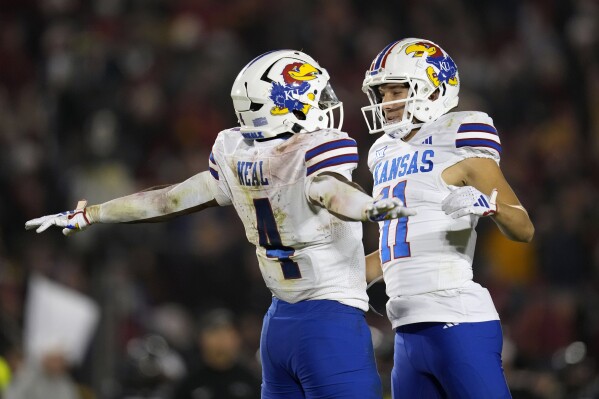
102,98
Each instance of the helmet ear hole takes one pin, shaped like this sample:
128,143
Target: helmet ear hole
255,106
299,115
437,93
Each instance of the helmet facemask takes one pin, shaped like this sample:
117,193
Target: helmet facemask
375,113
331,106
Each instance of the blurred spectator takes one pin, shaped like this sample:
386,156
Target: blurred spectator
149,369
221,373
48,380
59,324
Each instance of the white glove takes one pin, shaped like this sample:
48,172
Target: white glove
388,208
468,200
72,221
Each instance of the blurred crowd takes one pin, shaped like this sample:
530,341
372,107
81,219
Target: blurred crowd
102,98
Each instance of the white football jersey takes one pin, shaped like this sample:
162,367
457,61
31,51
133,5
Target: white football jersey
304,252
427,258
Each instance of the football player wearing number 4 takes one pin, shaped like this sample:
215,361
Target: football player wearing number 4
445,165
287,172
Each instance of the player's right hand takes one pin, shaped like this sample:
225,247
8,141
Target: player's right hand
386,209
467,200
72,221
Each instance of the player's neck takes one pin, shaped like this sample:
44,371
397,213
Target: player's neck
410,135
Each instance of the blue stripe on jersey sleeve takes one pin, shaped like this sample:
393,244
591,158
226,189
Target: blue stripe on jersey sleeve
331,145
476,127
478,143
214,173
338,160
212,158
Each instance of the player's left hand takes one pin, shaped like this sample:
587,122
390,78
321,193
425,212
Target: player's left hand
468,200
388,208
72,221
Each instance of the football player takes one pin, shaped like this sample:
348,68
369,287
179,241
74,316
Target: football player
287,172
445,166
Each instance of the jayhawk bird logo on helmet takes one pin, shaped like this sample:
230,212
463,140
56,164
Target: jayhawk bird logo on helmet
296,77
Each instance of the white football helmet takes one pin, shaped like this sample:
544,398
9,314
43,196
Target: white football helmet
425,68
284,91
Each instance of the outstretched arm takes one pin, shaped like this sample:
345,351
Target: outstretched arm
192,195
153,205
348,201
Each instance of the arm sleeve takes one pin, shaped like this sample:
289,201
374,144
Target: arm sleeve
477,137
338,197
196,192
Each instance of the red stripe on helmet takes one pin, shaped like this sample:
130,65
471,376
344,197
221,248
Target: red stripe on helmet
387,55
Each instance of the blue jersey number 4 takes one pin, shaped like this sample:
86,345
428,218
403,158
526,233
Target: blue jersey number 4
401,248
270,239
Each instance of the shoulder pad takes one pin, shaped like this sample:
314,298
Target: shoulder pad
330,148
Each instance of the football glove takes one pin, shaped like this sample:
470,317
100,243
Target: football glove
468,200
72,221
387,208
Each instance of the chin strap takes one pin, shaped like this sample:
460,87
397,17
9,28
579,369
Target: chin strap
402,131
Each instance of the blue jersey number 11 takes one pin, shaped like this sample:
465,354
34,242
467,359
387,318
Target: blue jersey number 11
401,248
270,239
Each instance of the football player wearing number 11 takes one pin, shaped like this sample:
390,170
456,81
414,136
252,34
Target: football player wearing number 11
287,172
444,165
